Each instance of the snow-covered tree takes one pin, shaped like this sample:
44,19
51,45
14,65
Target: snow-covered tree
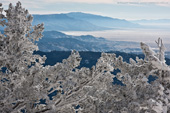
26,85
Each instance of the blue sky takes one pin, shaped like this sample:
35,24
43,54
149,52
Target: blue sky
123,9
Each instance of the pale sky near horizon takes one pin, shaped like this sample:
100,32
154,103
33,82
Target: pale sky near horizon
122,9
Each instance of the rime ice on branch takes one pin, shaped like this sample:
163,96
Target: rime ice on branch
64,88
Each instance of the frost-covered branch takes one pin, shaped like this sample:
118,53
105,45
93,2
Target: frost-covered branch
161,53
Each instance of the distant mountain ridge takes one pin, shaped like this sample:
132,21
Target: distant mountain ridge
62,22
103,21
78,21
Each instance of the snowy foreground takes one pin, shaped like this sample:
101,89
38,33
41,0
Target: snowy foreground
28,86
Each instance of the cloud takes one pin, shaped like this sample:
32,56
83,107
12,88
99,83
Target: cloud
38,3
127,2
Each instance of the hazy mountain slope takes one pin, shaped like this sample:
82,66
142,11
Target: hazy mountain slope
58,41
54,40
80,22
68,44
102,20
62,22
57,34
